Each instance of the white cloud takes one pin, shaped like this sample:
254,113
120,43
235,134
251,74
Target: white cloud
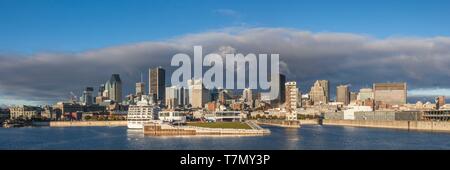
306,56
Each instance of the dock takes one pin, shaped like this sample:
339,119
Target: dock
155,129
280,123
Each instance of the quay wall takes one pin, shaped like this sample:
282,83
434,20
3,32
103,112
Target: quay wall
407,125
169,130
309,122
86,123
279,123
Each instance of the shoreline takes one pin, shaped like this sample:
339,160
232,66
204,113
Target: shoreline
426,126
86,123
170,130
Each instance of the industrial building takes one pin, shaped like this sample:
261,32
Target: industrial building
390,93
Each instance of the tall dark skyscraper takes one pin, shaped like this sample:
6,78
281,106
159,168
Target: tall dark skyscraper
282,94
115,88
157,83
87,98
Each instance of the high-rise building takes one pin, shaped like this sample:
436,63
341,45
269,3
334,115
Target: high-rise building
440,101
107,89
247,95
176,96
353,97
343,94
171,97
199,95
103,93
282,87
101,89
87,98
365,93
140,88
157,83
291,96
390,93
115,88
318,92
326,86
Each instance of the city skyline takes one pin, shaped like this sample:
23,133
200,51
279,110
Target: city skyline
417,96
344,49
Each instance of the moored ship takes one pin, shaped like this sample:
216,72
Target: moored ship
144,112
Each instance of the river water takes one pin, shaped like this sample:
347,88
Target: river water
307,137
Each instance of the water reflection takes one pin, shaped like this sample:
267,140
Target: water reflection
292,137
307,137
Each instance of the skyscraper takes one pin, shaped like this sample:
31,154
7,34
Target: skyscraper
282,87
157,83
172,97
140,88
199,95
115,88
101,89
87,98
326,86
176,96
318,93
247,95
107,89
291,96
440,101
343,94
353,97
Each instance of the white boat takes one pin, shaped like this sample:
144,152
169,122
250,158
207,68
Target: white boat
145,111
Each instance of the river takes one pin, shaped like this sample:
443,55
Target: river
307,137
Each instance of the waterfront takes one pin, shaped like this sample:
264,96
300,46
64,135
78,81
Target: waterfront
307,137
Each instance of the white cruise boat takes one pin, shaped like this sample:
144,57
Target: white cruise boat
145,111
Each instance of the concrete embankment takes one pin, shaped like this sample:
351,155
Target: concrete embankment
169,130
309,122
407,125
289,124
278,124
86,123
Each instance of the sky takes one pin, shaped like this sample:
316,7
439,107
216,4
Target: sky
74,25
51,47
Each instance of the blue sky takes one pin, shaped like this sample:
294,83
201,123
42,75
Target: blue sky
29,26
49,38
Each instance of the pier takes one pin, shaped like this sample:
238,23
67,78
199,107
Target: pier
155,129
86,123
441,126
280,123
